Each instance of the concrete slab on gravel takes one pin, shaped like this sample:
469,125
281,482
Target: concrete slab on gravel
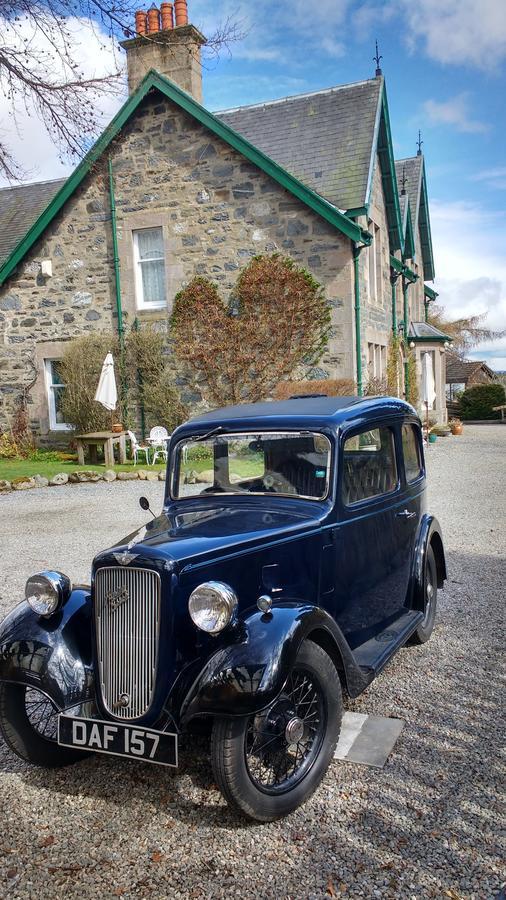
368,740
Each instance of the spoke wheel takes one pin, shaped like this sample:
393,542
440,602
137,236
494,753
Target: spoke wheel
42,714
267,764
29,725
282,743
426,626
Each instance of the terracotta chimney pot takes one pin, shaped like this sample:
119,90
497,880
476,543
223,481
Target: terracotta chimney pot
181,10
153,20
140,22
167,16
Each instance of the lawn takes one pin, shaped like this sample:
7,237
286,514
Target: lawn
15,468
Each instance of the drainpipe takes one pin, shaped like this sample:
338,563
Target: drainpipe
405,286
119,310
358,341
393,281
426,304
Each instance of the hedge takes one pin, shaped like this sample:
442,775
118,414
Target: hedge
477,402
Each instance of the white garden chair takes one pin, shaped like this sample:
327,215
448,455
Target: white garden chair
139,449
158,437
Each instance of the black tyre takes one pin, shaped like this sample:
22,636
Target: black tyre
28,722
269,764
426,626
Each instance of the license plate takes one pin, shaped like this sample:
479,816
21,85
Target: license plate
118,740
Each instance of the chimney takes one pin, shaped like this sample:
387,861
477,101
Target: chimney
164,41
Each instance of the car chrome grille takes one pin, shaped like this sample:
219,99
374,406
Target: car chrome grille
127,617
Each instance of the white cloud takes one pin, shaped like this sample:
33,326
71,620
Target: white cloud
459,32
22,130
493,178
470,264
454,111
274,32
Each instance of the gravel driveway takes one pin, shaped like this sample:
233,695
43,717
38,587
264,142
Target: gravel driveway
425,826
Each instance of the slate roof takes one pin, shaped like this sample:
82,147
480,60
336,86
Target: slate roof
458,371
422,331
324,138
19,207
412,168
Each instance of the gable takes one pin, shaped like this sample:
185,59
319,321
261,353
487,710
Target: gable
329,140
411,177
325,138
153,81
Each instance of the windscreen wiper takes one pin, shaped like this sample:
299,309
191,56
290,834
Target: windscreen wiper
217,430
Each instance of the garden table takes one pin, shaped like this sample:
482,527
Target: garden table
500,409
105,439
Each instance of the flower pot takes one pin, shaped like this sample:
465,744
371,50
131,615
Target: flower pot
117,427
432,438
456,429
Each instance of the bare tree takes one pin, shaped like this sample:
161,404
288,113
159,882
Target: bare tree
38,69
465,333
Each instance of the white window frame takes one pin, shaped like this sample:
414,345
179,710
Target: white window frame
51,404
139,291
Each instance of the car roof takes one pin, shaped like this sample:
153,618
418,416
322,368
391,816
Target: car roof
307,412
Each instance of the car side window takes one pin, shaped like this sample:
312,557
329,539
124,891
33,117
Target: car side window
411,452
369,467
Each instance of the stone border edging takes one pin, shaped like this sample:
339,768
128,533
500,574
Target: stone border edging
84,476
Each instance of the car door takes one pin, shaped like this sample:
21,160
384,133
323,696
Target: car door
412,487
371,546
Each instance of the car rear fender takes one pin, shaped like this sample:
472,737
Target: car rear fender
247,674
429,535
53,655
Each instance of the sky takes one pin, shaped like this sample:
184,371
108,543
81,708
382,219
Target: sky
444,62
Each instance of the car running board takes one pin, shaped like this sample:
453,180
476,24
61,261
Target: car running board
374,654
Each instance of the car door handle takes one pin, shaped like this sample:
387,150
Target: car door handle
406,514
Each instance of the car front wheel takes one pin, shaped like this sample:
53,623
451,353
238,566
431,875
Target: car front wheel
28,722
268,764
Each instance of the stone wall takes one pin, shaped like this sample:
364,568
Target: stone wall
216,210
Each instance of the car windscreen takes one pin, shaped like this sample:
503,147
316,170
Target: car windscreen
294,464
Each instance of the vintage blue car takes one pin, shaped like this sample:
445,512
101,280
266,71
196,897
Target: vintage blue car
293,557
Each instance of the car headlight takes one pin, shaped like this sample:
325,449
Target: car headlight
47,591
212,606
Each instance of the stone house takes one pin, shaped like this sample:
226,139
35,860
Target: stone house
171,190
464,373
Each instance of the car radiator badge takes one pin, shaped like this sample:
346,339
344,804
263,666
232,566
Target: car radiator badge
116,597
125,557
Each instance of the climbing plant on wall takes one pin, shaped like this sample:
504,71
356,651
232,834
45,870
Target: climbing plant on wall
277,320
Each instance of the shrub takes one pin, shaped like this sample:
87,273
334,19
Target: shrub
278,320
332,387
8,446
153,384
80,369
376,387
143,377
477,402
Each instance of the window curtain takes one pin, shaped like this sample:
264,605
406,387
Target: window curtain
152,263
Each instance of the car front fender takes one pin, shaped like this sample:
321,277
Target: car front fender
247,675
53,655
